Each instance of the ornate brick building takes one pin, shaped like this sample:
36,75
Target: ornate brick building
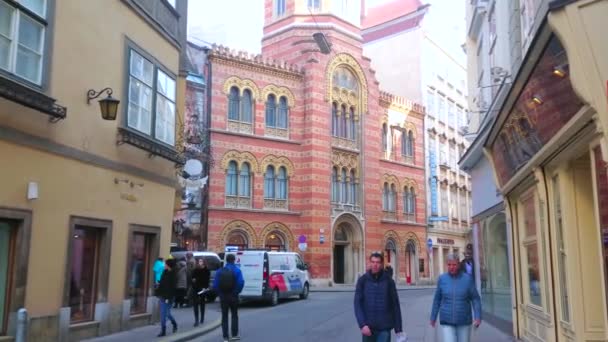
300,141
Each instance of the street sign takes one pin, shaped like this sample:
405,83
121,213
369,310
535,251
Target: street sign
438,218
302,246
429,243
322,239
302,239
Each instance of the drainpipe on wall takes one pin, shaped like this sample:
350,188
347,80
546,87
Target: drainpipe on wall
22,323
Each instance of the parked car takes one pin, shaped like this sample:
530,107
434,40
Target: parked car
272,275
213,264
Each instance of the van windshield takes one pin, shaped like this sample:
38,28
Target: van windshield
213,263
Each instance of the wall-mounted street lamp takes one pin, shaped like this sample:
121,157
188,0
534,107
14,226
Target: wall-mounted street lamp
108,106
322,42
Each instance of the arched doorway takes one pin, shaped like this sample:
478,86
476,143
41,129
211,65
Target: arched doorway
347,242
411,262
390,252
238,239
275,241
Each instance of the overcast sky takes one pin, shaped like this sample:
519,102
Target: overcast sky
239,23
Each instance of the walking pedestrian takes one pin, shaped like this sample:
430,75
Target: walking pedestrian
158,268
182,284
165,293
377,306
200,281
228,283
455,295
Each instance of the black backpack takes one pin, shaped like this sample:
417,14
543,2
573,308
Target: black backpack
227,280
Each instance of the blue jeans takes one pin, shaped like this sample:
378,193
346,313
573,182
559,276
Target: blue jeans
378,336
165,312
456,333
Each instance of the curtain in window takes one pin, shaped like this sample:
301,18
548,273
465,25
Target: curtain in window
271,107
334,119
282,183
353,188
412,201
344,188
231,179
334,185
384,137
344,125
244,181
410,144
269,182
247,106
233,104
353,130
392,198
283,111
385,197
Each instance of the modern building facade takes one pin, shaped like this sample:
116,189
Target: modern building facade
302,156
547,150
86,204
411,63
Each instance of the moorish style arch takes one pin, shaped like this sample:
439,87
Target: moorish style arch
351,64
236,229
279,92
239,158
242,84
283,234
277,162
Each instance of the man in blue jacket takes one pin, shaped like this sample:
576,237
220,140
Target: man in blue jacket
377,306
455,295
228,283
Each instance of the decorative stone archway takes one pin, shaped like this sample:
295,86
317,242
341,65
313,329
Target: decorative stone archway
391,243
282,234
347,247
240,232
412,255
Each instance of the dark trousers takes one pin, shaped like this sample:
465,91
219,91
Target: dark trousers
230,303
180,297
198,303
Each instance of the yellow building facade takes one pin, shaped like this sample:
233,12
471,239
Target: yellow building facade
548,149
86,204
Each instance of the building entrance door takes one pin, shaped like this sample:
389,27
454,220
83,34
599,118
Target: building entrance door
6,247
339,264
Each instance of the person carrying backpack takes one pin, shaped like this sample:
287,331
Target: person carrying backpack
228,283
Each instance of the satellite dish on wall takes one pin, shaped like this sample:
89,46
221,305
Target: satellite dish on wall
193,167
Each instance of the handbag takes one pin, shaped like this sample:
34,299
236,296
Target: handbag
401,337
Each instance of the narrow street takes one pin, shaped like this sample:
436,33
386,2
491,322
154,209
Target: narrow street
329,316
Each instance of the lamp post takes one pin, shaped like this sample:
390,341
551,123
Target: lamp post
108,106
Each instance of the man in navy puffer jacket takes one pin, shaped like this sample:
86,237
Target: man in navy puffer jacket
377,305
455,295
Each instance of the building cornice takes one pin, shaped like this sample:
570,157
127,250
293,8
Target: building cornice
256,211
252,136
400,104
244,60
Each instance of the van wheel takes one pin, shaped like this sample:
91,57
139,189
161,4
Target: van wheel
304,293
274,299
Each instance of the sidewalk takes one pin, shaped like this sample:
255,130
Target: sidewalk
351,288
416,313
185,332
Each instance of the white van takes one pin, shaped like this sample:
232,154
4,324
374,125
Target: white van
272,275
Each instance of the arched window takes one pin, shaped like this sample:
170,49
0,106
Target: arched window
334,119
269,182
233,104
413,204
352,128
384,137
343,124
353,188
247,106
237,239
344,187
385,197
244,181
392,198
274,242
282,117
271,109
410,138
409,203
404,144
335,187
282,183
231,179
